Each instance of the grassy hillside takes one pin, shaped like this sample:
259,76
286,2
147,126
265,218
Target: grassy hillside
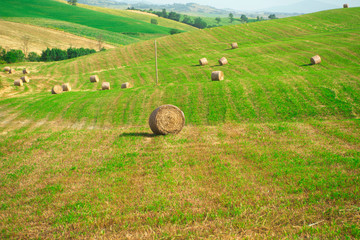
272,151
142,17
40,38
267,78
49,9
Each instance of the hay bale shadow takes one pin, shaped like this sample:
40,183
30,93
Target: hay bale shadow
138,134
306,65
196,65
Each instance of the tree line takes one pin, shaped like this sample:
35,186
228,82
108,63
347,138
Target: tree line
48,55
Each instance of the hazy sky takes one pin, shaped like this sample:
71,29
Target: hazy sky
251,4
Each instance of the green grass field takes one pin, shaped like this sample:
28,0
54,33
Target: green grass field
271,152
84,22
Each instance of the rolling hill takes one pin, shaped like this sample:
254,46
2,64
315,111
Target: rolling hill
121,29
270,152
41,38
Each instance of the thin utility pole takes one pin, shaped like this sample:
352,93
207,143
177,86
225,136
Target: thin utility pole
156,64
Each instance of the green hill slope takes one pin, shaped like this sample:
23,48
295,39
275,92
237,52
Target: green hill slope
280,160
27,10
146,17
267,78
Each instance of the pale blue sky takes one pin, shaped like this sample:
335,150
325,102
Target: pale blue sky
252,4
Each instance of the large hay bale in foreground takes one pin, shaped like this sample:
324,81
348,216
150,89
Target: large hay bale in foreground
25,79
26,71
94,78
346,5
105,86
11,71
57,89
203,61
217,76
126,85
6,69
223,61
234,45
66,87
167,119
315,59
18,82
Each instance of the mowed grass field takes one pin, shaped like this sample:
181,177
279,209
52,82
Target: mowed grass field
84,22
272,151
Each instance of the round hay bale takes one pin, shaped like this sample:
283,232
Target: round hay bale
203,61
18,82
126,85
66,87
223,61
94,78
234,45
25,79
167,119
105,86
217,76
346,5
26,71
6,69
315,59
11,71
57,89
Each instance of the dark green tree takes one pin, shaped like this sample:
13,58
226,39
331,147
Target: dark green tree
244,18
231,17
14,56
72,2
187,20
33,57
199,23
272,16
154,21
164,14
218,20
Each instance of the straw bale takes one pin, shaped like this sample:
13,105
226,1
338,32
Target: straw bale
94,78
217,76
57,89
315,59
18,82
223,61
105,86
167,119
25,79
203,61
66,87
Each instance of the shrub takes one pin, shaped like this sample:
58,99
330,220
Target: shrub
154,21
174,31
14,56
33,57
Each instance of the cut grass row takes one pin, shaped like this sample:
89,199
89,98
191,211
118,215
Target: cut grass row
247,180
268,77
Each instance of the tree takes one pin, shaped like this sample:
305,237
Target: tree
199,23
218,20
231,16
174,16
187,20
243,18
100,41
33,57
272,16
164,14
174,31
14,56
154,21
72,2
25,44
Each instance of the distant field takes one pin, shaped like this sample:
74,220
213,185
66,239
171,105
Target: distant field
53,10
40,38
142,17
271,152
